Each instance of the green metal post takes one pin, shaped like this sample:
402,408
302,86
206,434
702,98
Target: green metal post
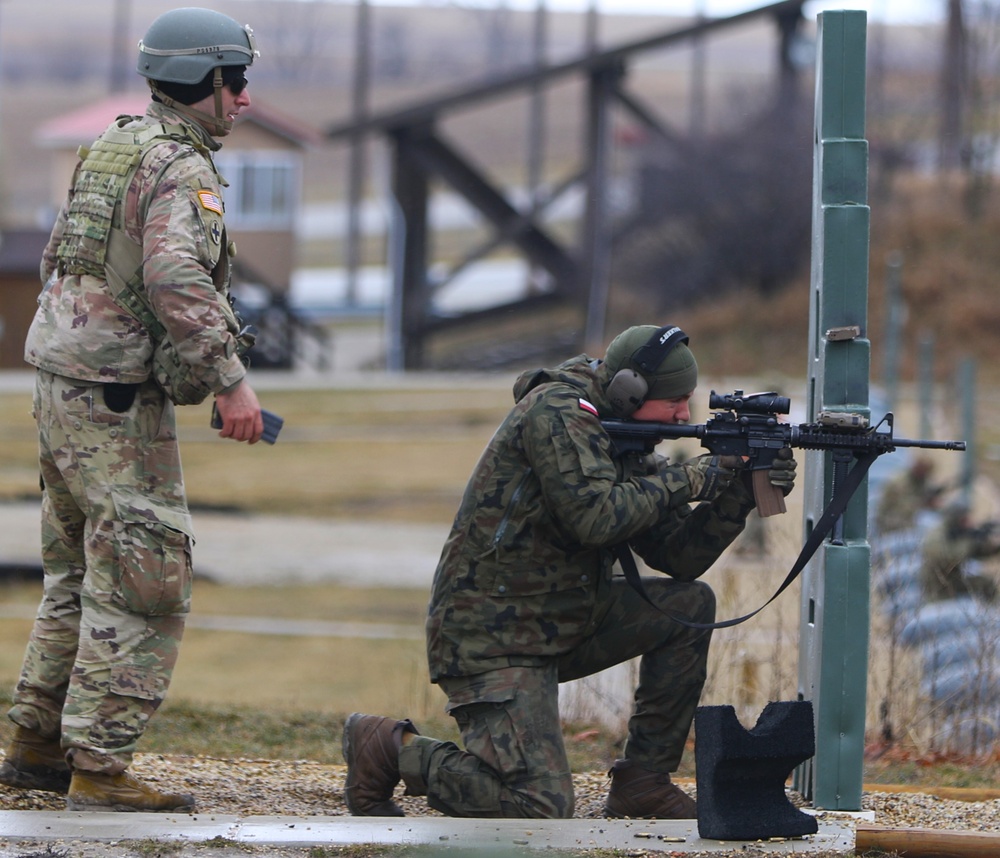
894,313
967,388
925,383
833,664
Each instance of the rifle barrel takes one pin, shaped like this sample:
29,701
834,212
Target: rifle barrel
930,445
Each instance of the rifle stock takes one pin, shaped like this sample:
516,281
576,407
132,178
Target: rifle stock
749,426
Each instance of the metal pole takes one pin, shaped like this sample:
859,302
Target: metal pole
411,195
967,386
833,644
595,247
894,322
954,88
591,36
356,162
120,71
926,385
698,75
536,129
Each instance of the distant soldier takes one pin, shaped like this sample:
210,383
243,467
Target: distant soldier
905,495
134,318
524,597
947,550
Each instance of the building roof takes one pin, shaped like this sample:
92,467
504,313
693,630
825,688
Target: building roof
83,126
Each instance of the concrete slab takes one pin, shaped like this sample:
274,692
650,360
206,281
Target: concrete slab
836,832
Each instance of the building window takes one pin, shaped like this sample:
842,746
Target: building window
262,189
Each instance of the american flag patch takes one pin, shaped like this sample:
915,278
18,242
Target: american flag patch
588,406
210,201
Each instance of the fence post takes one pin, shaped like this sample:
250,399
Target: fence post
967,392
833,662
925,384
895,314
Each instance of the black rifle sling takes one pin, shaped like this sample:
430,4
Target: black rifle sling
838,503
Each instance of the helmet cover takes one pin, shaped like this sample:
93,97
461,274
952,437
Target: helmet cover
184,45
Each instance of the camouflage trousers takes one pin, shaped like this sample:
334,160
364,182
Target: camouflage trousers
514,764
116,553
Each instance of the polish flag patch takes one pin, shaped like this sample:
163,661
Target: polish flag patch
588,406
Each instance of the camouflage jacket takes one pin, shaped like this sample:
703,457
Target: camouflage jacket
530,555
172,207
948,553
902,499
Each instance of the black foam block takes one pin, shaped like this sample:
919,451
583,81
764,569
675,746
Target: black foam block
741,773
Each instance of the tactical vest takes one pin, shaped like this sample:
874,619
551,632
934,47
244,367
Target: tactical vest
94,241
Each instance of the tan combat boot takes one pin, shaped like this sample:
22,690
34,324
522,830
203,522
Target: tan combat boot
639,793
35,762
121,792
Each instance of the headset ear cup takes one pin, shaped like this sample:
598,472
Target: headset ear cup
626,392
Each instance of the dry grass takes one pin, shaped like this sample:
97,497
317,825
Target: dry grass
284,672
399,454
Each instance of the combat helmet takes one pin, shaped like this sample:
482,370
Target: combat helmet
184,46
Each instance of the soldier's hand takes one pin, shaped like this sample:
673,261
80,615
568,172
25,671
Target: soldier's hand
781,474
240,413
708,475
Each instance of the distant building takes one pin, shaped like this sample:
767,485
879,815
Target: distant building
262,161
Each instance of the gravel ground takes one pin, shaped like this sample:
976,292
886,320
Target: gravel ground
303,788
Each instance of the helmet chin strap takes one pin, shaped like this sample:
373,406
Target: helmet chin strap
218,125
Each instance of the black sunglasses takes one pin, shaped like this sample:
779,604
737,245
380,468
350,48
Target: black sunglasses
237,86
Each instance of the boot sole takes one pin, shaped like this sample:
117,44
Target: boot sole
9,776
613,814
124,808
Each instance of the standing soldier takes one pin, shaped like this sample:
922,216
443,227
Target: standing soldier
133,319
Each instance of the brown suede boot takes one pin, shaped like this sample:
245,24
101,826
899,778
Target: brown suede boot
35,762
121,792
371,746
639,793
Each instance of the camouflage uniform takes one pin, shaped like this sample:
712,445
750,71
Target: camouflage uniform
116,532
523,599
904,496
946,552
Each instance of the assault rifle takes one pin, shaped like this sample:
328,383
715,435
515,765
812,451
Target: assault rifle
748,425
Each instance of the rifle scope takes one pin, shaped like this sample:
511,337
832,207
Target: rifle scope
750,403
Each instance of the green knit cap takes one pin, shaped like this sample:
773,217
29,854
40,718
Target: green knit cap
675,375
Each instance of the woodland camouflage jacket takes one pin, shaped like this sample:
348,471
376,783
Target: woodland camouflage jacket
173,209
530,554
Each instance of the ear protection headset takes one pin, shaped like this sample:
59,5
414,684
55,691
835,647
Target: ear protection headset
628,387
